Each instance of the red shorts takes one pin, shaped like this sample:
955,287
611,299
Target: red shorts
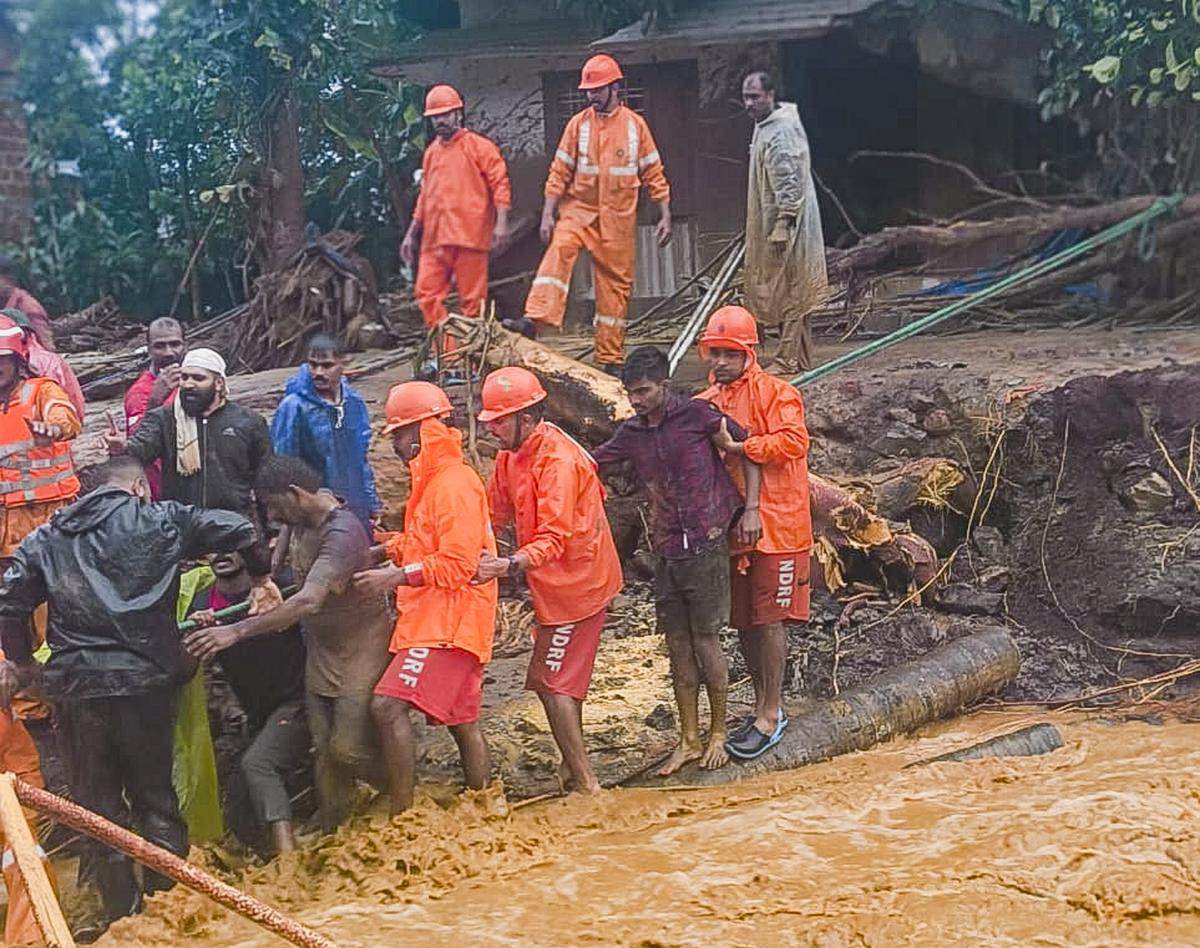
445,683
773,588
563,656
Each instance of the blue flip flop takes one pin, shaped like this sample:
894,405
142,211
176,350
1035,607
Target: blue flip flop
752,742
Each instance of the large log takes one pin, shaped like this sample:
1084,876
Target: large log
902,699
925,243
588,402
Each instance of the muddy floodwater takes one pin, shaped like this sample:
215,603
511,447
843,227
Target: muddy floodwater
1096,843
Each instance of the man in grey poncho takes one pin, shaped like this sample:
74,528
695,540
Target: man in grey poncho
785,250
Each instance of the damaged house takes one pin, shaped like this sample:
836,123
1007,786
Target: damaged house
868,75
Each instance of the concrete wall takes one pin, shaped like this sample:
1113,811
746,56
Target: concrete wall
16,200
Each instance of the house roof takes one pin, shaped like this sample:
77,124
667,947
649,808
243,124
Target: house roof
717,22
495,41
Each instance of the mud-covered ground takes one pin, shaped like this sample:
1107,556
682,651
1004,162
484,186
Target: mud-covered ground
1080,493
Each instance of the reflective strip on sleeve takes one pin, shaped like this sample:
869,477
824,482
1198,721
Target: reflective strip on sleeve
617,322
564,158
648,160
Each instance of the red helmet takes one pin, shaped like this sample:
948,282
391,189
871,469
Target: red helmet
442,99
508,390
410,402
12,338
600,71
730,327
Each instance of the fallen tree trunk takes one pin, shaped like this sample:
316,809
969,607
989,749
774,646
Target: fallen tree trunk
925,243
937,685
1027,742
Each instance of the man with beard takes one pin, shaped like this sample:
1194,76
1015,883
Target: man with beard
671,446
267,677
211,451
546,484
605,155
323,421
158,385
461,213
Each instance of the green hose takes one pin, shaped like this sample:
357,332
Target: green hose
1160,206
230,611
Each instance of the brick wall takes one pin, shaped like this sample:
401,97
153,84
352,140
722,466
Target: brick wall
16,207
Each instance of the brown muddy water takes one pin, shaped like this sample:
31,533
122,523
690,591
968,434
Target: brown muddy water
1095,844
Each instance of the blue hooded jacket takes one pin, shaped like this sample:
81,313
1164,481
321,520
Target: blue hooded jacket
332,439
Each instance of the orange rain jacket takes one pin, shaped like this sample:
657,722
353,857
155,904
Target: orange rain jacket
773,412
446,525
463,181
599,165
550,488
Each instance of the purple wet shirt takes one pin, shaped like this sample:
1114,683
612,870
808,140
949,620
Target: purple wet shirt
693,500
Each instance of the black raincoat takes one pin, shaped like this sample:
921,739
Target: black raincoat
108,565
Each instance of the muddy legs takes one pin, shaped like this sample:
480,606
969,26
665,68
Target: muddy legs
694,658
565,715
399,748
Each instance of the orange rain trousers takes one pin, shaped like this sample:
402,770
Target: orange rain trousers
598,170
19,756
436,267
550,488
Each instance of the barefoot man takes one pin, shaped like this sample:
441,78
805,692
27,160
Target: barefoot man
693,504
547,484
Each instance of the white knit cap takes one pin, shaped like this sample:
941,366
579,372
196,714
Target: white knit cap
207,359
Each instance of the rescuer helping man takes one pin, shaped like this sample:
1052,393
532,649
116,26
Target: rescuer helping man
546,484
461,213
605,155
445,623
768,578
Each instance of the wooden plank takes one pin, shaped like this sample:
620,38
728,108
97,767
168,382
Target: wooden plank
46,910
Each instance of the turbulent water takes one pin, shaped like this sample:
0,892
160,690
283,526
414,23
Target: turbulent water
1095,844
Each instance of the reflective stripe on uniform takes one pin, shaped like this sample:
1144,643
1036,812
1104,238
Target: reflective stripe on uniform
564,158
648,160
585,145
551,281
617,322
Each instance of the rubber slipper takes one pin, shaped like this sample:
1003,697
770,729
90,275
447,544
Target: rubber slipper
740,728
754,743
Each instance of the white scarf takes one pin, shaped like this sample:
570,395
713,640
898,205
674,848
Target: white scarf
187,429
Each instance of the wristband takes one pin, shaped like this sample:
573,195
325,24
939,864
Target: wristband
414,574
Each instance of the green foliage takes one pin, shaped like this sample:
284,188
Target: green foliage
1146,52
169,123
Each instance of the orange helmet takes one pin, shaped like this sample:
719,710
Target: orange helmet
509,390
730,327
600,71
442,99
410,402
12,338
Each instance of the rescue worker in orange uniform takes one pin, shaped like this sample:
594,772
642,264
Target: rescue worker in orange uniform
769,582
461,213
445,623
605,155
546,483
18,756
37,474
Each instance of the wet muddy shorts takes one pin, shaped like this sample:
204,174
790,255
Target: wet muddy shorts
768,587
445,683
693,593
563,656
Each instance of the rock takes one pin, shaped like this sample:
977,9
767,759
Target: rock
904,415
904,432
920,402
966,600
995,578
937,422
1149,494
989,542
